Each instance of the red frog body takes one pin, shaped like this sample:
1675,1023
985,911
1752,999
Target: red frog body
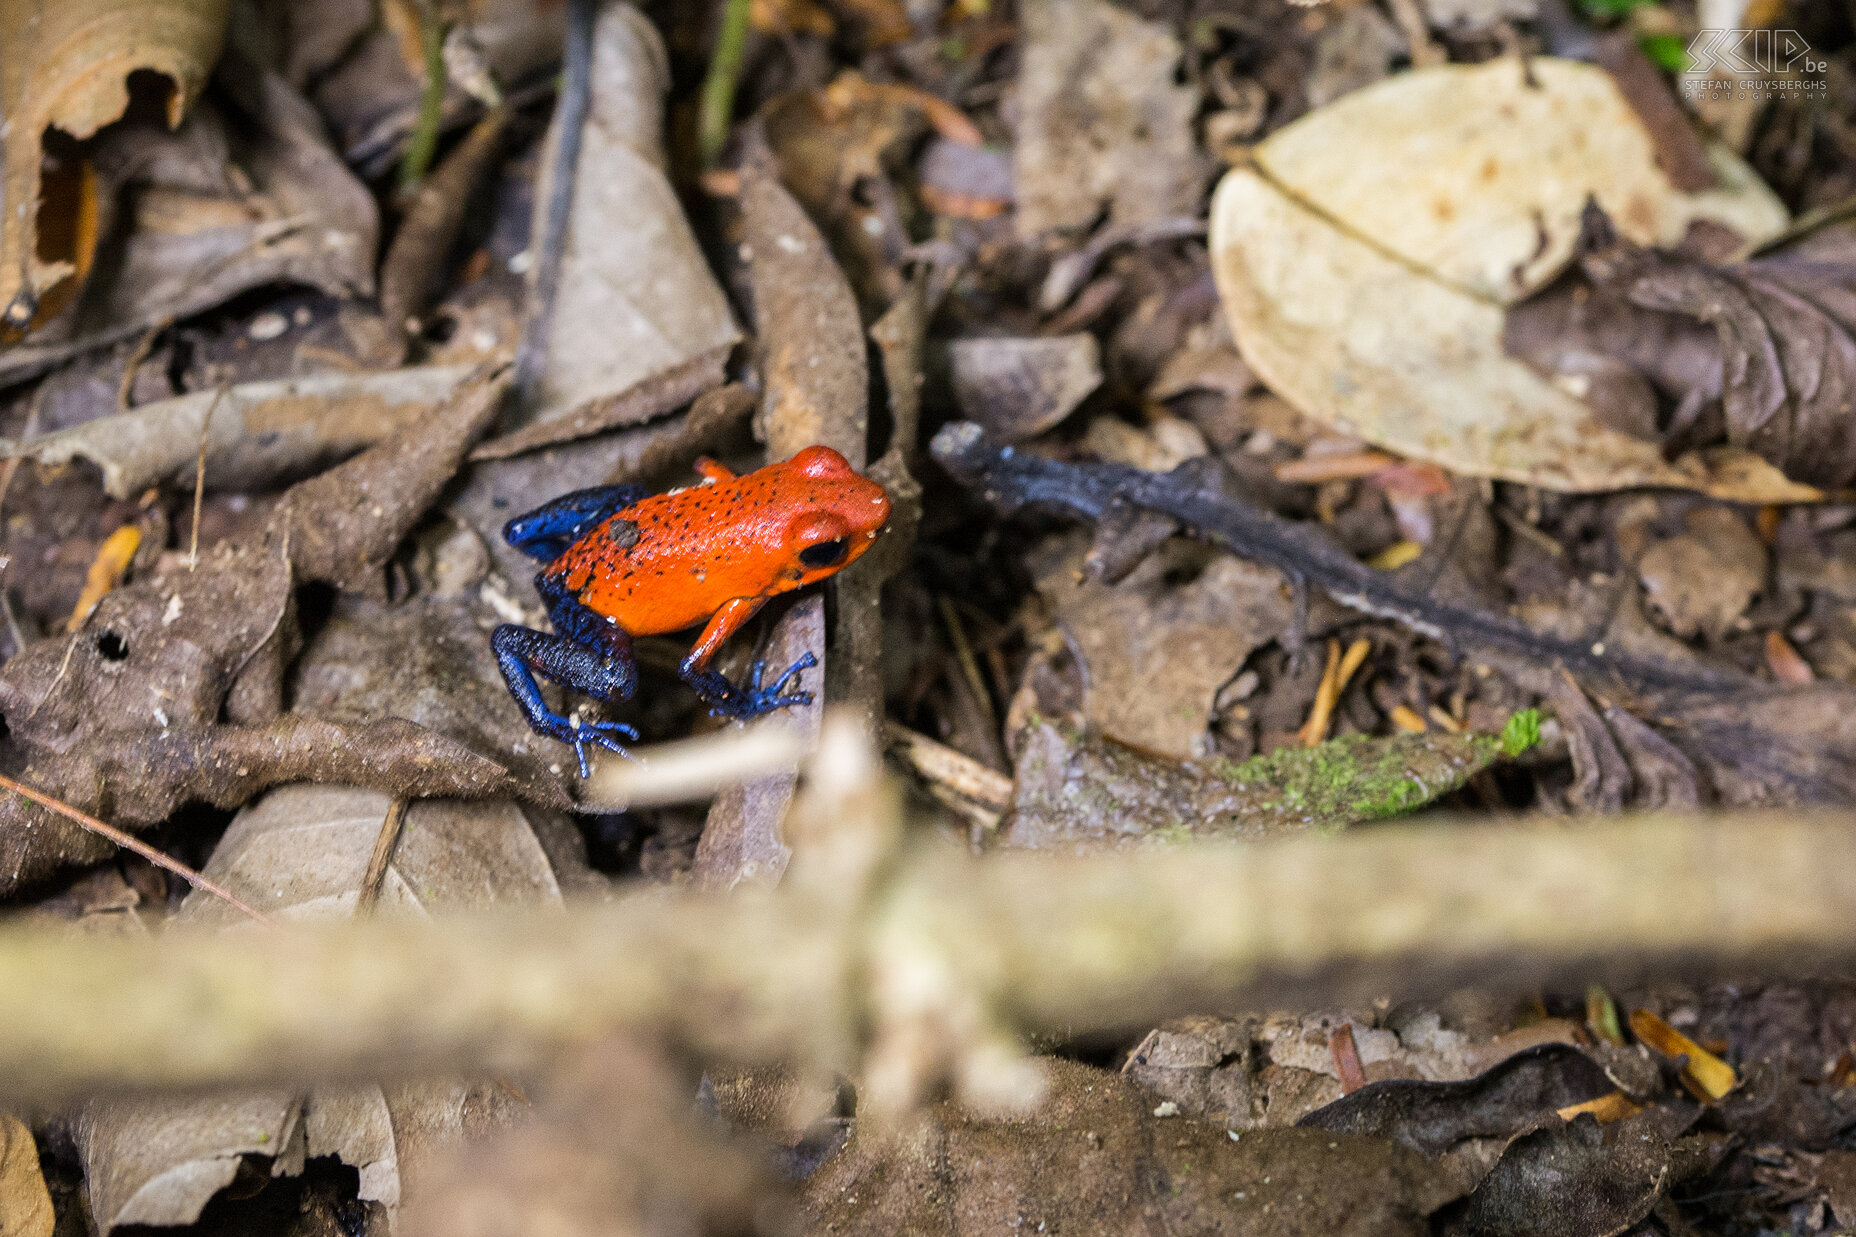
623,564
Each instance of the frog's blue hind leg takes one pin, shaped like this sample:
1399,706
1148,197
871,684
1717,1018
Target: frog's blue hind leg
586,654
547,531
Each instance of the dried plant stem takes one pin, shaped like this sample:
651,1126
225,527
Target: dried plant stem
391,826
199,477
1031,943
130,842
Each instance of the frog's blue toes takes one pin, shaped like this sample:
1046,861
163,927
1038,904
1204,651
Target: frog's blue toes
750,699
599,733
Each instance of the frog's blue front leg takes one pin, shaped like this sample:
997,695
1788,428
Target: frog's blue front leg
546,532
587,654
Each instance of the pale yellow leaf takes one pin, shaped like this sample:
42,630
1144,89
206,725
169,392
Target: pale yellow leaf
25,1204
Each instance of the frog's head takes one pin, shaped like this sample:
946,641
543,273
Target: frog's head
838,514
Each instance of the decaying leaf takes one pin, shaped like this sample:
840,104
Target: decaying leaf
1157,646
162,662
1096,1157
1080,792
1571,1179
25,1203
302,852
636,296
1103,119
66,67
254,434
1019,387
1382,315
1784,365
427,661
245,193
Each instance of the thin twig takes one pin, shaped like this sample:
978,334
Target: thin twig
717,108
130,842
143,347
391,827
571,111
199,477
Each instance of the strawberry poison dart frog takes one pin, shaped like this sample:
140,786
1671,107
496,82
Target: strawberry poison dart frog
621,564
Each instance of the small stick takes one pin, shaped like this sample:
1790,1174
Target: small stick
143,347
391,826
199,477
130,842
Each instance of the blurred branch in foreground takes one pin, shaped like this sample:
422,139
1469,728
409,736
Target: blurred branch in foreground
936,954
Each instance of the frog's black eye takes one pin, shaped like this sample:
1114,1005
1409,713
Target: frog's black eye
825,553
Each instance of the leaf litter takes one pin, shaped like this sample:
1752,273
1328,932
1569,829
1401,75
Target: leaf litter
1286,546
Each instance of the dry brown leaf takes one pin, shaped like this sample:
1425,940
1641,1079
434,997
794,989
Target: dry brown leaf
1019,387
816,374
302,851
1157,646
25,1203
66,66
1365,260
636,296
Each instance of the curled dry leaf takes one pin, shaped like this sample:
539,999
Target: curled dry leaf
1364,262
1103,119
66,66
254,434
302,852
1784,365
245,193
635,295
